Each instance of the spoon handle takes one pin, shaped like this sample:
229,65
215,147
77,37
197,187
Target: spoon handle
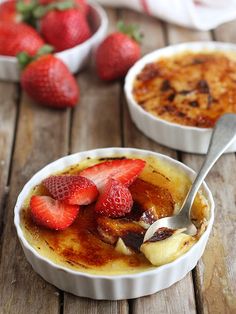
222,137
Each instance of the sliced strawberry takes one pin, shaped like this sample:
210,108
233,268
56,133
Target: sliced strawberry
123,170
72,189
115,201
51,213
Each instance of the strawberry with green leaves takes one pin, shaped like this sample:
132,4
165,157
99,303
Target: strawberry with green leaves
65,29
15,38
48,81
82,5
62,24
118,52
19,11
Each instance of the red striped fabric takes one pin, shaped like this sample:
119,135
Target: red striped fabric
145,6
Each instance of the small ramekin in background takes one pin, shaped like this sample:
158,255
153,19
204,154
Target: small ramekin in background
114,287
75,58
176,136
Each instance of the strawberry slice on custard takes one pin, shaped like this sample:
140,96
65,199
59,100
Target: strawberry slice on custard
52,214
123,170
71,189
115,201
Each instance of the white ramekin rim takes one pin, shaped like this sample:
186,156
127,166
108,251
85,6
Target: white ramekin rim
66,161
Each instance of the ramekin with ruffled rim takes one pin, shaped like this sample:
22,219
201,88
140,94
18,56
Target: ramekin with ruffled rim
111,287
180,137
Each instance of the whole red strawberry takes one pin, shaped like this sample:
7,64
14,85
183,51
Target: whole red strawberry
8,11
65,29
115,201
48,81
15,38
116,54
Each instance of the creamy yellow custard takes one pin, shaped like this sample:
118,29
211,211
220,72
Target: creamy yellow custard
82,248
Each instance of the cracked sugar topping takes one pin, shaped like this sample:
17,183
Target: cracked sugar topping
192,89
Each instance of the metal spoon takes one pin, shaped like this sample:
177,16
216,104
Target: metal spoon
224,133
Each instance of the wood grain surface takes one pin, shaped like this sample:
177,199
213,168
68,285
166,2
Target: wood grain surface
32,136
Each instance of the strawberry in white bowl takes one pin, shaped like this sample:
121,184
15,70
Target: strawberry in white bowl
76,53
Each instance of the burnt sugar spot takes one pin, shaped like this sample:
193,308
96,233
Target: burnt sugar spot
161,234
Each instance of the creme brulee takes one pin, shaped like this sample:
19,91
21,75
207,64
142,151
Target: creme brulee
189,88
81,247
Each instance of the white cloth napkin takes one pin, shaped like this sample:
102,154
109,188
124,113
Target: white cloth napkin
199,14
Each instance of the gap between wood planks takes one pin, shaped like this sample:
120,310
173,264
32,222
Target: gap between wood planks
7,182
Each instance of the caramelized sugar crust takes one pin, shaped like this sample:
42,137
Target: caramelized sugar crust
111,229
192,89
80,244
153,201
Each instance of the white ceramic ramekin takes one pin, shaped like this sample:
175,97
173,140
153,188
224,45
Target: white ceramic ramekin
76,57
110,287
184,138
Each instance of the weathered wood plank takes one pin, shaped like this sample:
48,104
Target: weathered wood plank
215,286
226,32
96,123
216,271
177,34
153,39
42,136
180,297
77,305
8,113
220,278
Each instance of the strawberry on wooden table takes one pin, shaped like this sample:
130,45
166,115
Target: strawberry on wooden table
48,82
123,170
51,213
118,52
18,37
115,201
72,189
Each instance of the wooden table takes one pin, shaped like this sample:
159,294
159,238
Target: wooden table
32,136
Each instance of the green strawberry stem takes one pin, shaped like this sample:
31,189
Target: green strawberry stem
131,30
24,58
26,11
42,10
32,11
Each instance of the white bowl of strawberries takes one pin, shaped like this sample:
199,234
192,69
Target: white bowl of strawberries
81,221
93,28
